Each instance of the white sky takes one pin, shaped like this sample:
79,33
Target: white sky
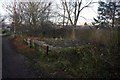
2,11
87,13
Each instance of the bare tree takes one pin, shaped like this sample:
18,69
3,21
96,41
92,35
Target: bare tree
31,14
15,13
1,18
73,10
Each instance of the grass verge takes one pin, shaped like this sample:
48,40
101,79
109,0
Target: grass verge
90,61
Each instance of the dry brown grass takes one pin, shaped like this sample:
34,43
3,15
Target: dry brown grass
71,61
105,37
22,47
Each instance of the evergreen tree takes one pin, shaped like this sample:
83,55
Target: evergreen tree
108,14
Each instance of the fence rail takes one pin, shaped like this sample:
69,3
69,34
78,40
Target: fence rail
40,45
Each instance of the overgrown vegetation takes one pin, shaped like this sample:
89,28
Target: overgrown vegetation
99,57
98,60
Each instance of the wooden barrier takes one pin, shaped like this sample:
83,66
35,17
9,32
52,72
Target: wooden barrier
40,45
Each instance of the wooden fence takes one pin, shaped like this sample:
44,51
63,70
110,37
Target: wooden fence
41,46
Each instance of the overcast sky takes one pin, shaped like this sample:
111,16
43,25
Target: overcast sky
87,13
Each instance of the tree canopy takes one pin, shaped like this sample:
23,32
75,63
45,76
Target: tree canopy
108,14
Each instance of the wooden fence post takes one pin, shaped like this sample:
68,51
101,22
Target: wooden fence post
47,49
30,43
